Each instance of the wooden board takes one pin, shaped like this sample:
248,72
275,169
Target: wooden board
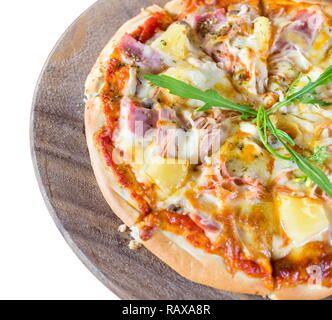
65,176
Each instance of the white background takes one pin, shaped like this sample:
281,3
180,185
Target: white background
35,261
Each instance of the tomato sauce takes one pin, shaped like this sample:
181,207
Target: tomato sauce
226,248
116,77
160,21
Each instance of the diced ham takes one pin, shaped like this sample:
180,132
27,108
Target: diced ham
211,136
225,59
282,45
308,24
139,120
235,184
254,186
195,144
140,54
210,22
305,23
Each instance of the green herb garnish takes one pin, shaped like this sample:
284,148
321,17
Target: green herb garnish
306,94
265,127
293,86
320,155
315,174
211,98
262,119
308,182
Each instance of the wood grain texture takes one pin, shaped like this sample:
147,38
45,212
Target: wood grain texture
65,176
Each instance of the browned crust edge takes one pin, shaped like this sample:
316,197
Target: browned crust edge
192,264
301,292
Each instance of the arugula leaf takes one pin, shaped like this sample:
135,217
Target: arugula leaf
324,78
320,155
301,179
310,99
284,135
264,124
292,88
211,98
311,171
308,182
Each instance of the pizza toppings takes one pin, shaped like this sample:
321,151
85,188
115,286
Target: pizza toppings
226,166
159,21
300,42
174,44
307,24
141,55
238,40
212,23
139,119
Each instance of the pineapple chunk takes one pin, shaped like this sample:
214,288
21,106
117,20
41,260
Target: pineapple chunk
174,42
263,31
167,174
301,218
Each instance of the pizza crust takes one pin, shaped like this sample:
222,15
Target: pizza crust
197,266
189,262
301,292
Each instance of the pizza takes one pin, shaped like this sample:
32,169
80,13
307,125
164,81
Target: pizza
209,126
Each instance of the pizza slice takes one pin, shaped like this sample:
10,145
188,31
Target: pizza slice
237,36
302,39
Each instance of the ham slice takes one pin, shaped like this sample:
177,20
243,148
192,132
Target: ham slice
140,54
293,56
138,119
210,22
307,24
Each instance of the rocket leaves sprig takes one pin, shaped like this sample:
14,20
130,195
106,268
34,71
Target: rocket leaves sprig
261,117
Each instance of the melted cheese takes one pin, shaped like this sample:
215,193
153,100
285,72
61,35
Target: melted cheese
131,85
246,158
203,74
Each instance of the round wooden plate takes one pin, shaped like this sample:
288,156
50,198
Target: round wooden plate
65,176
